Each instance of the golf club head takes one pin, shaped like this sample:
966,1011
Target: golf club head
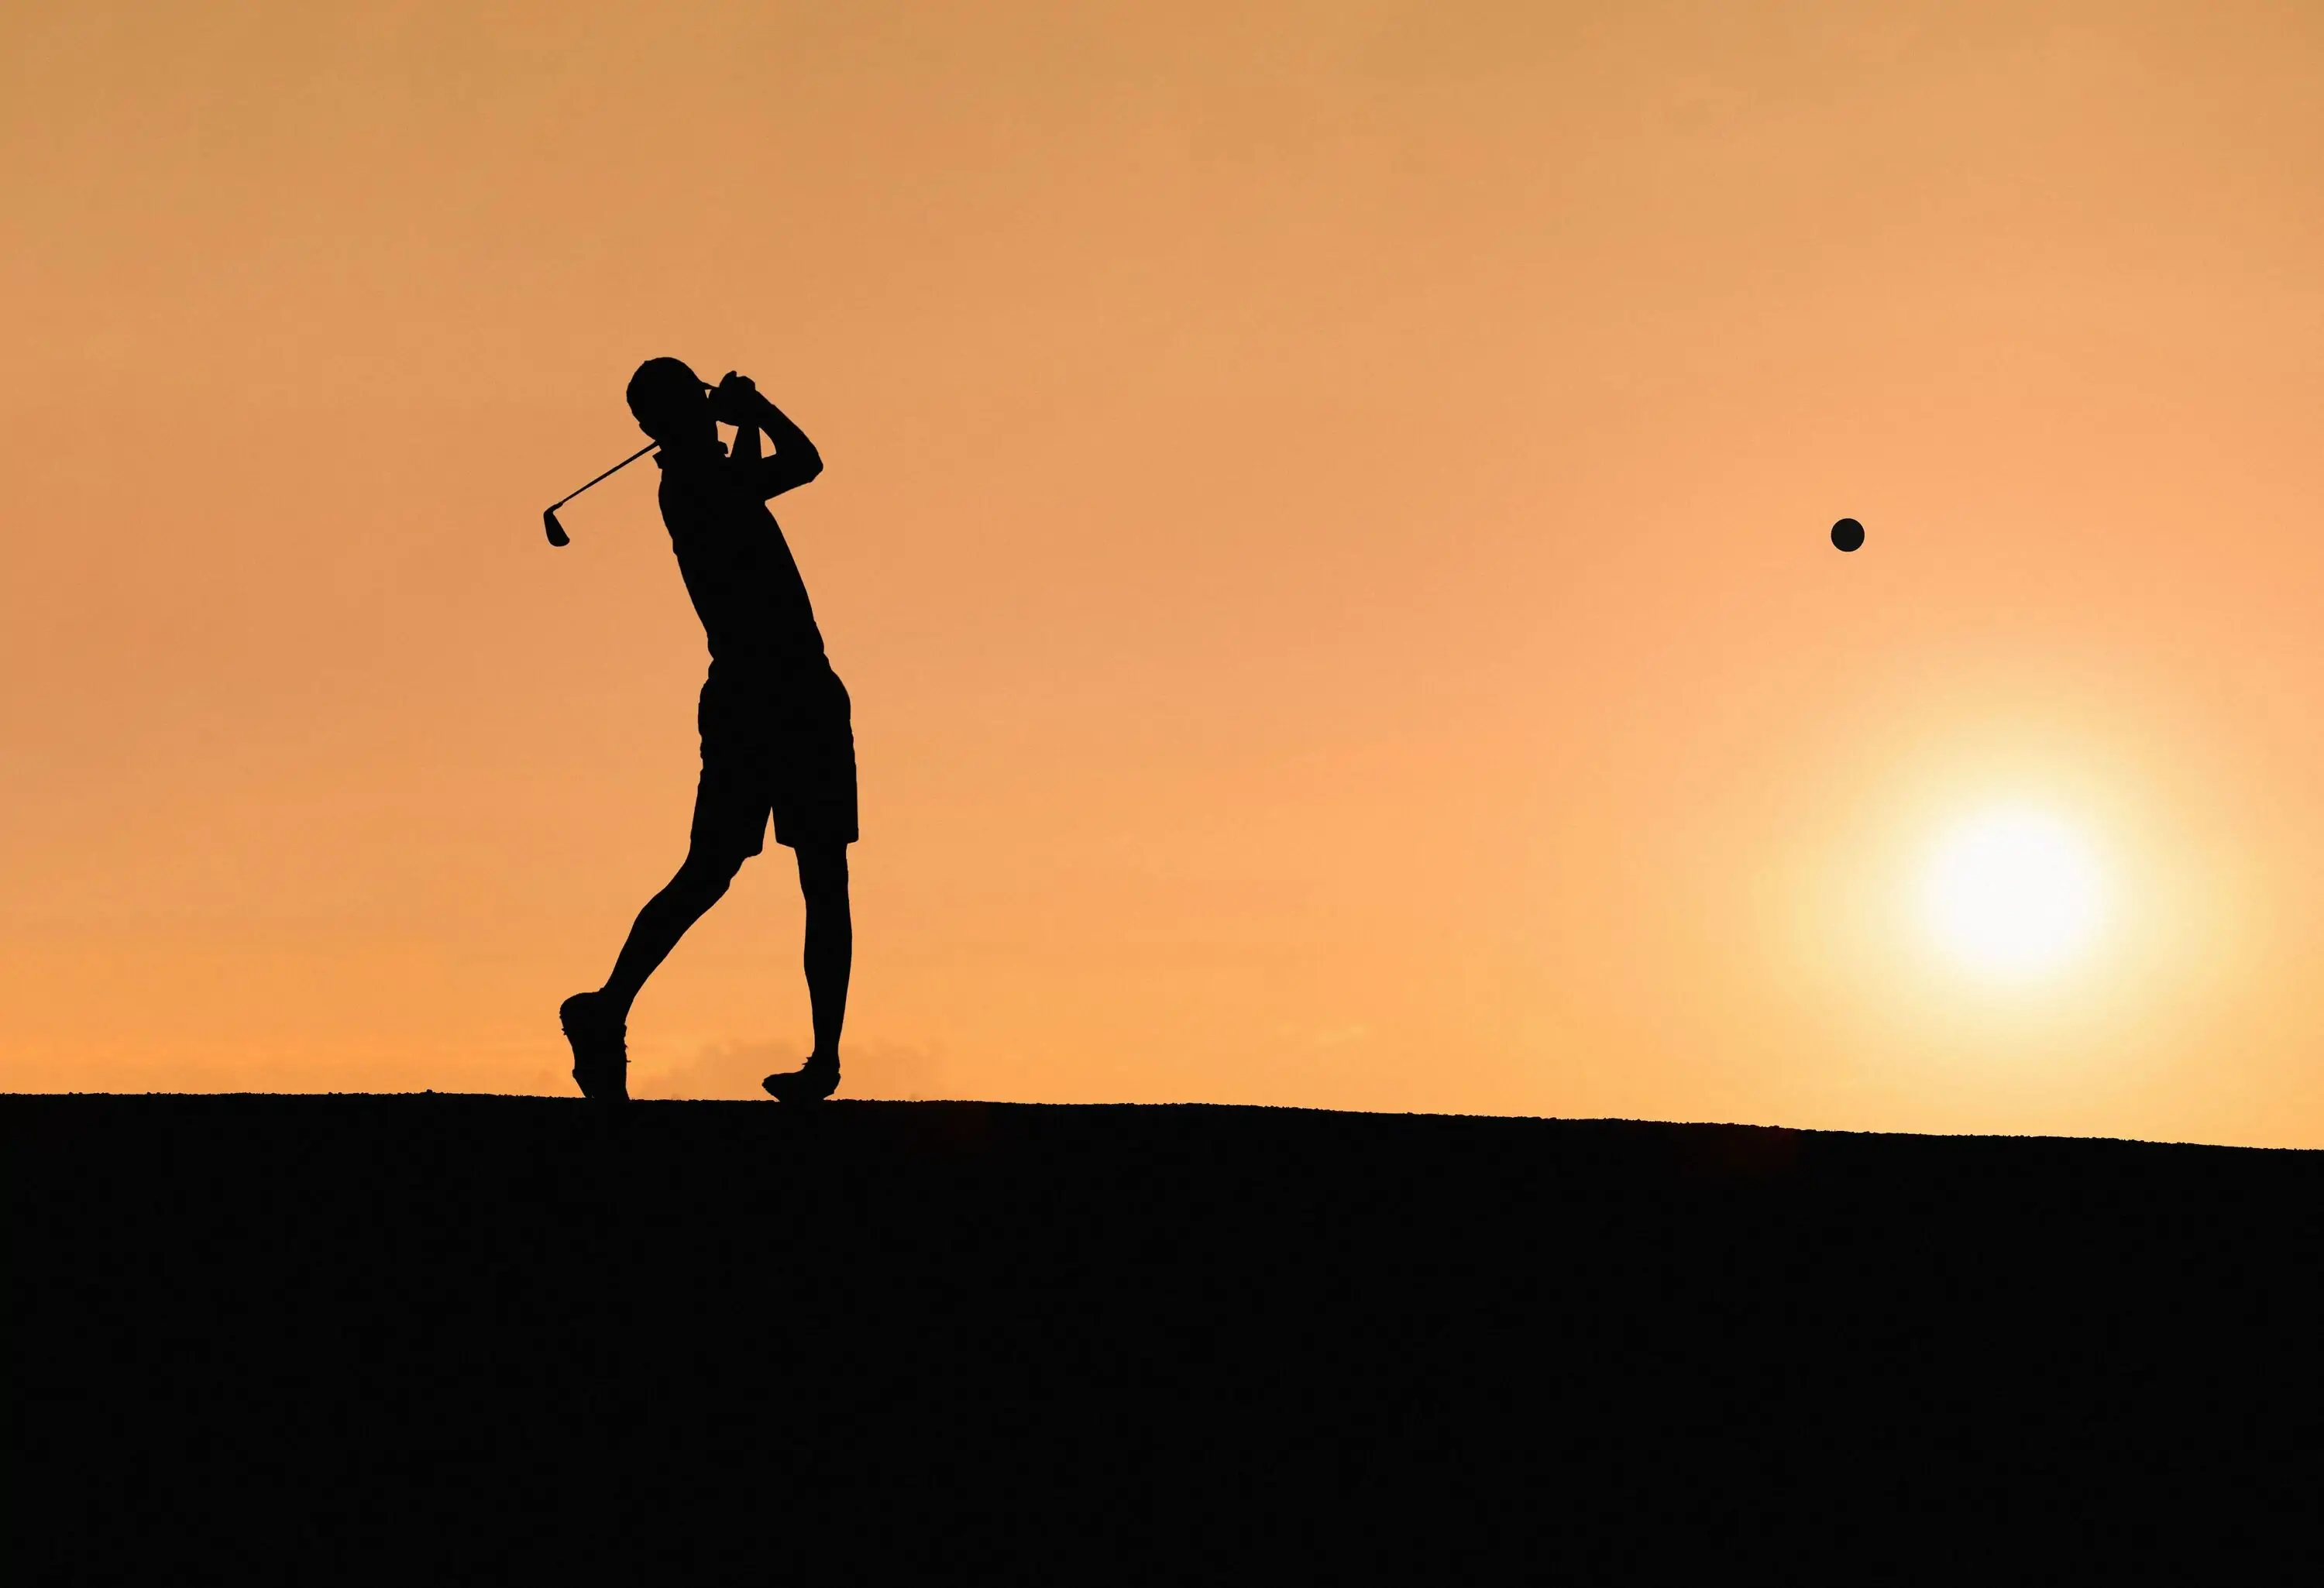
556,535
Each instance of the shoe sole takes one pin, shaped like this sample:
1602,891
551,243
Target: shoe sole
799,1095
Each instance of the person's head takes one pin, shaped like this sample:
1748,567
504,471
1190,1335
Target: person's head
670,403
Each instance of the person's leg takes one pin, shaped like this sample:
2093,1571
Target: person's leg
699,884
597,1023
830,956
730,824
830,953
815,817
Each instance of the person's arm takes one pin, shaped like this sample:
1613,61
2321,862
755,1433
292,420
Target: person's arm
796,461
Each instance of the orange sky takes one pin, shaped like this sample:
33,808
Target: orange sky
1323,527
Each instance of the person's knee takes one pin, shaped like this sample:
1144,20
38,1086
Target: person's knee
823,875
708,874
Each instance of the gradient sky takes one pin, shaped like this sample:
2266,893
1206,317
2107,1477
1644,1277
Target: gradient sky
1325,527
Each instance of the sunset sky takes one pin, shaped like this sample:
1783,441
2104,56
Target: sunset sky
1324,525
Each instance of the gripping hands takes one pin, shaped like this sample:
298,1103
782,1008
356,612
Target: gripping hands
735,400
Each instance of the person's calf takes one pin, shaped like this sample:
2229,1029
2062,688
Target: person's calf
682,900
829,951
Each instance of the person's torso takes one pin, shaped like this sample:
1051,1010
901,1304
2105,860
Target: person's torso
739,570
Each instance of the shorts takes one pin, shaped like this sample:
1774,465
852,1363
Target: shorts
781,748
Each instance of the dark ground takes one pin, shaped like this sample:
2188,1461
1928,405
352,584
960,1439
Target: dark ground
512,1339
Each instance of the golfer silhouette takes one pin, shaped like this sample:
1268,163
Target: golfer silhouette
776,736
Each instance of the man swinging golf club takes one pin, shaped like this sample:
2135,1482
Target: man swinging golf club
776,736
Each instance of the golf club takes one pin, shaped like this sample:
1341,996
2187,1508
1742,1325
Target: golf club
556,535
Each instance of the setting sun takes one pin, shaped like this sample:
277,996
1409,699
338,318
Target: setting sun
2014,893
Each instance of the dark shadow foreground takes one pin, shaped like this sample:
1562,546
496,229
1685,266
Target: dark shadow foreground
506,1339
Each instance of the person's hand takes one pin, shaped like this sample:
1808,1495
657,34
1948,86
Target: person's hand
734,399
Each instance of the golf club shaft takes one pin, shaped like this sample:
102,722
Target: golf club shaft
617,468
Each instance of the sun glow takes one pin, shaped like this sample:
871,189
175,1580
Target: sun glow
2014,893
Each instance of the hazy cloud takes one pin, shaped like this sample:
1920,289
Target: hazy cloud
733,1068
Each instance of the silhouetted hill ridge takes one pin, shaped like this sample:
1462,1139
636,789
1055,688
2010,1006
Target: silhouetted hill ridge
469,1330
